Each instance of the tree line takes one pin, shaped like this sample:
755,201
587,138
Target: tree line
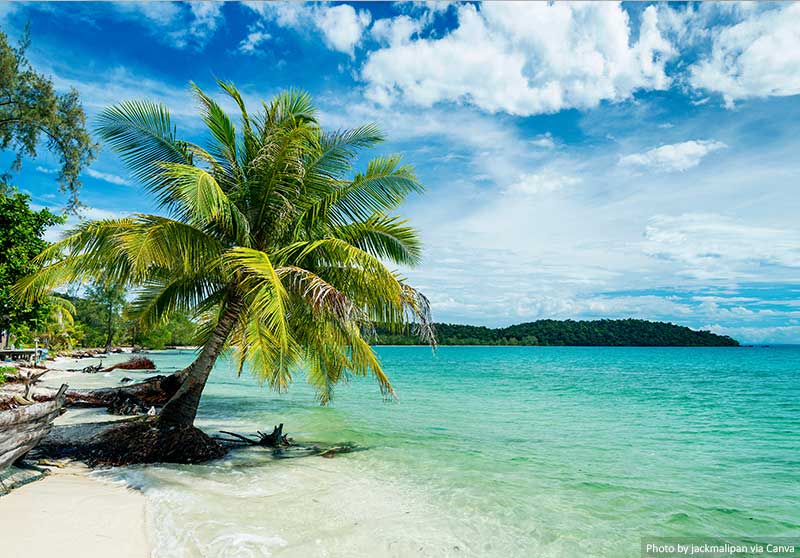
627,332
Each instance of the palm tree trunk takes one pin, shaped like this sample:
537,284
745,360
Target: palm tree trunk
182,407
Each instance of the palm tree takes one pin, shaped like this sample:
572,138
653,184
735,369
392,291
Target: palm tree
59,322
270,239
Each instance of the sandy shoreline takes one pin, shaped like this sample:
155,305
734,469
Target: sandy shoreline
71,515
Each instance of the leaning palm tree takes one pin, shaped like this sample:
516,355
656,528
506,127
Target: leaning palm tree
269,237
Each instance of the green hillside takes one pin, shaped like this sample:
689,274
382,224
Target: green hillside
629,332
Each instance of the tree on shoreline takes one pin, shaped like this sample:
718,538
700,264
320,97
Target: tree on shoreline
270,237
21,230
111,298
31,109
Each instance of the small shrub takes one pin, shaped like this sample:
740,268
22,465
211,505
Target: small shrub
5,370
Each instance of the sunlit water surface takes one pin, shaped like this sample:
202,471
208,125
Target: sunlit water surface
494,452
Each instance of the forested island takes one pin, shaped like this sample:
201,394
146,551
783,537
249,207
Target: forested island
628,332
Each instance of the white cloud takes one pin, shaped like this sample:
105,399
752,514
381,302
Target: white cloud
396,30
758,334
55,233
541,183
46,170
525,58
545,141
99,90
108,177
342,26
181,25
711,246
253,40
673,157
757,57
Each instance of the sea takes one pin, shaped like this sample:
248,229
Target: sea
492,452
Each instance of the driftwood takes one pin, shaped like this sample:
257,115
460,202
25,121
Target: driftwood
135,363
90,368
275,439
21,428
155,391
28,378
283,446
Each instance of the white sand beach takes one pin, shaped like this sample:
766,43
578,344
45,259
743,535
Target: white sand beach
71,515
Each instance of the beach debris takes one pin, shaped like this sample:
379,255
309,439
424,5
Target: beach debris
135,363
330,453
148,440
151,412
275,439
153,391
284,447
51,463
129,441
22,400
126,404
92,368
22,427
126,380
28,378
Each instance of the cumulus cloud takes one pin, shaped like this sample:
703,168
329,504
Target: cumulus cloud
525,58
342,26
672,157
395,30
757,57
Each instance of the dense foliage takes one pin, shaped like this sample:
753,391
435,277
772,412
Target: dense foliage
31,111
21,230
273,241
628,332
91,321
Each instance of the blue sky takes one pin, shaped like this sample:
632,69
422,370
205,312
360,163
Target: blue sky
581,160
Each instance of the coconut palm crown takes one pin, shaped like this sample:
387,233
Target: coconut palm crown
270,238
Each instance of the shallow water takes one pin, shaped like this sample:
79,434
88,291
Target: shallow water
497,451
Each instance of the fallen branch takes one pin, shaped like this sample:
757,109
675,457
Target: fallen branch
275,439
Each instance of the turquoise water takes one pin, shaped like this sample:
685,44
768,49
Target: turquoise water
499,451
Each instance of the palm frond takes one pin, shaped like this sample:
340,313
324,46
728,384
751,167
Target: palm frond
209,205
142,133
224,144
384,237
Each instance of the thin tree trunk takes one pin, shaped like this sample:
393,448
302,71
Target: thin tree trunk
109,328
109,339
182,407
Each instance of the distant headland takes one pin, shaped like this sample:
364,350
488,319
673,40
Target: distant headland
615,333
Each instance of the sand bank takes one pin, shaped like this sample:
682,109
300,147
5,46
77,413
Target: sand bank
69,514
